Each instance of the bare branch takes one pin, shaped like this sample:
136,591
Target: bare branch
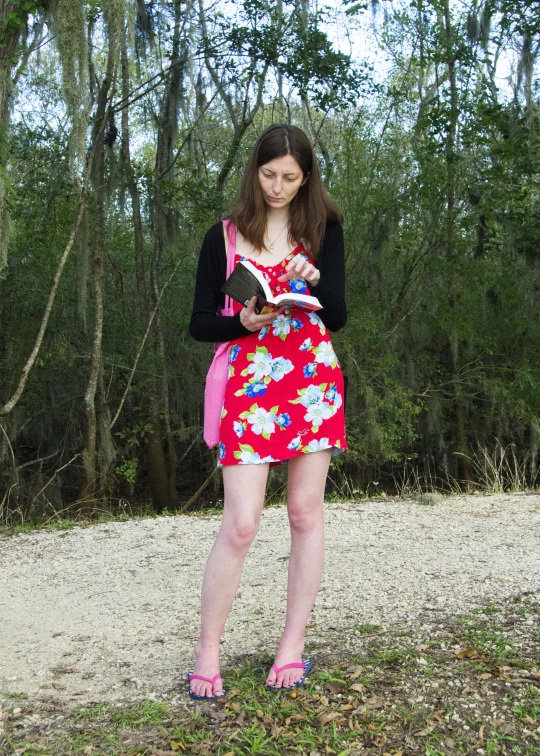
9,405
143,342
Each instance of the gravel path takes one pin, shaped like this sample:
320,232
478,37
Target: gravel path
109,611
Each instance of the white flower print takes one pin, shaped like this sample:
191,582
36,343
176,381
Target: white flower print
239,428
281,326
253,458
315,320
295,443
262,422
338,401
261,365
331,393
249,458
325,353
317,413
306,344
317,445
280,367
313,395
246,455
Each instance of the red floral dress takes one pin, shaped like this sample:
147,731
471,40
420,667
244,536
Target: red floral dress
284,394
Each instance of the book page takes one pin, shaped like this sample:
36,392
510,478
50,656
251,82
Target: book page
304,301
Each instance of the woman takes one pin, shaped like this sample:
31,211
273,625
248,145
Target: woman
284,396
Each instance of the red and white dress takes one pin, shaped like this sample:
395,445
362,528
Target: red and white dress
284,394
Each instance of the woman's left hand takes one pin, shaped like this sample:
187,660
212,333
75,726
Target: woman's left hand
299,267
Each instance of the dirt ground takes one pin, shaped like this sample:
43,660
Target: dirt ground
107,615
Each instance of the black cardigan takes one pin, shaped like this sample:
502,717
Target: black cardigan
205,325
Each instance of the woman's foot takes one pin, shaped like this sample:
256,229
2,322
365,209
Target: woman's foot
286,677
207,665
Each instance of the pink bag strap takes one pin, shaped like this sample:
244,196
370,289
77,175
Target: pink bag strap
230,228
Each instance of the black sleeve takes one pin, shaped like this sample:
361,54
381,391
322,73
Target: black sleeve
205,324
330,290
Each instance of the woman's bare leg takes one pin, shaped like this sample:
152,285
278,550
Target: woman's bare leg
244,487
305,504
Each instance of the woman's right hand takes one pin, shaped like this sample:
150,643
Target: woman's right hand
254,322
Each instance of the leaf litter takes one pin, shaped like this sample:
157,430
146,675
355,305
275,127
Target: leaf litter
478,693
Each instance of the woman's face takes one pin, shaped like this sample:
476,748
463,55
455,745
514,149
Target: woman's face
280,180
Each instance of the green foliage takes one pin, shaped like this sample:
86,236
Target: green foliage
16,20
435,169
114,12
71,40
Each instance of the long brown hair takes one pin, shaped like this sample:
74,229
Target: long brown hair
310,210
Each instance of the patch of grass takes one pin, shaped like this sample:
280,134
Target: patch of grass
529,704
351,704
428,671
491,641
490,609
367,628
141,713
393,656
98,711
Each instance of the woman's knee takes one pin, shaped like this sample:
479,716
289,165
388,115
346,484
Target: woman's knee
304,516
240,532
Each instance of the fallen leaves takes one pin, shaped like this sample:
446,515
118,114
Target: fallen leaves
375,703
468,653
438,715
356,672
481,735
329,716
394,710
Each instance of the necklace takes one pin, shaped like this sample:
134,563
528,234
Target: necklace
272,243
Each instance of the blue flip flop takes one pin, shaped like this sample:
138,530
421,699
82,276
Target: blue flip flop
305,664
211,680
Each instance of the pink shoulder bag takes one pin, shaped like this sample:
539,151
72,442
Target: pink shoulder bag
216,379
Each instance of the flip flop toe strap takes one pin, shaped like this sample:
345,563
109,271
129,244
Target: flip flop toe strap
211,680
293,665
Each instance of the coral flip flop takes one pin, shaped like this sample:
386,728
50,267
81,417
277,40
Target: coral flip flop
210,680
305,664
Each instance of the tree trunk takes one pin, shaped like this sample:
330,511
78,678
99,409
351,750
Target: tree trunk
158,477
464,467
140,279
88,487
9,41
161,465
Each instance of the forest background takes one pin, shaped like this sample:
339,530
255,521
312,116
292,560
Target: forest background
124,128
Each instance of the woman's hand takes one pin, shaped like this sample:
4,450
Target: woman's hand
299,267
254,322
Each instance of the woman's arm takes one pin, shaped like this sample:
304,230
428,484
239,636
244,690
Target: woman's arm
205,324
330,290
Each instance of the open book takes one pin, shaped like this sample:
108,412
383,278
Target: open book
247,281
